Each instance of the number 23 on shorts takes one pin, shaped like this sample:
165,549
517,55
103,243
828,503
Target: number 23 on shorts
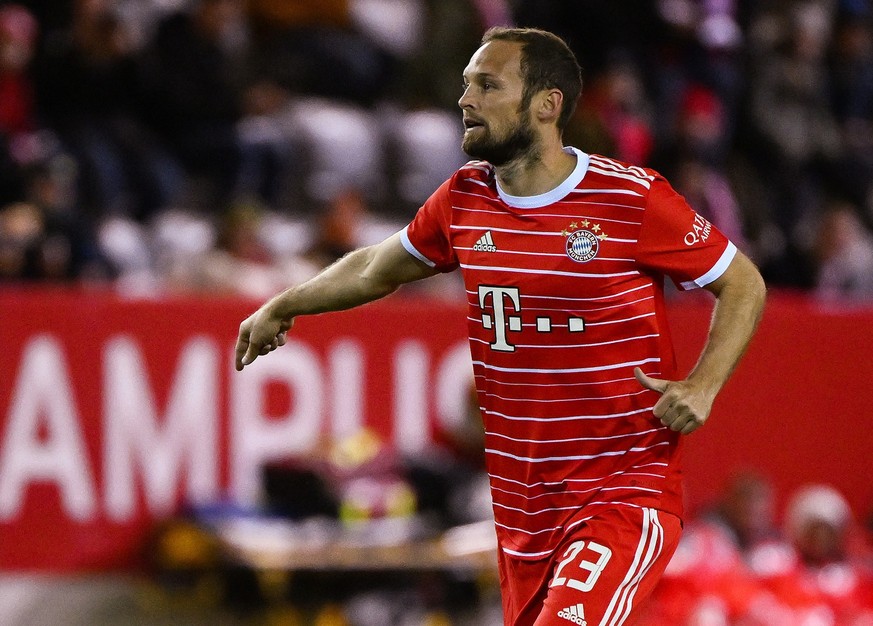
594,558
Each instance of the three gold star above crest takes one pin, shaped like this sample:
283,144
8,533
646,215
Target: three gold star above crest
585,224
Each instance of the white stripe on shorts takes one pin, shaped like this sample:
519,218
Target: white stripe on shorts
649,549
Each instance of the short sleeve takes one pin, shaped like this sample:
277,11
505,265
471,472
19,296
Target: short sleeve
680,243
427,237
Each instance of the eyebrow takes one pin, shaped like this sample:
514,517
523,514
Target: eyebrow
481,76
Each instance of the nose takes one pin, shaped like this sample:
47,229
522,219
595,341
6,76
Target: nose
465,101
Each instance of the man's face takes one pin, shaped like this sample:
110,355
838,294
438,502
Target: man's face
495,129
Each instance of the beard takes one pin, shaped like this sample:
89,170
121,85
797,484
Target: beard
500,150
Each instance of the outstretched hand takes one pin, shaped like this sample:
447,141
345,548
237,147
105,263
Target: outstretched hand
681,407
260,334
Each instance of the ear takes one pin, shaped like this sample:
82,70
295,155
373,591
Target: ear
549,105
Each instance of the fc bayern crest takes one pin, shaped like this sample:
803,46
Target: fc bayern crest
582,245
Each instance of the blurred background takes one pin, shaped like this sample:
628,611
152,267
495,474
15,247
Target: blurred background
167,164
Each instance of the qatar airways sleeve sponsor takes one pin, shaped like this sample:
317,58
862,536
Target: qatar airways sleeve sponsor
678,242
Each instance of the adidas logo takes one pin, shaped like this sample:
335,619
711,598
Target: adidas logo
575,614
485,243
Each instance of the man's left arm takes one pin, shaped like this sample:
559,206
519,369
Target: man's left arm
740,292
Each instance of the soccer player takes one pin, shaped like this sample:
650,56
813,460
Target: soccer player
563,256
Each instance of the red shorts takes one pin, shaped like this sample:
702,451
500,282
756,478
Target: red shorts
598,576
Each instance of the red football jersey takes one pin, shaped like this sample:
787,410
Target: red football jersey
565,293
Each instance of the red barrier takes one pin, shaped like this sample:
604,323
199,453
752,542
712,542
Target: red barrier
115,412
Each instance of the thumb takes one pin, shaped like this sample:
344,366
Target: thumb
654,384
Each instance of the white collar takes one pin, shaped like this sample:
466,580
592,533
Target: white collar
553,195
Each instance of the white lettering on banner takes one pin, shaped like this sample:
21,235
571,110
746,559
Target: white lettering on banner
171,451
134,438
454,381
256,437
411,429
43,397
346,361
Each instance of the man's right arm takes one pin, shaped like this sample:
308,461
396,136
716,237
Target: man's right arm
361,276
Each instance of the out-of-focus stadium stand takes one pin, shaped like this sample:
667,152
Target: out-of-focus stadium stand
164,164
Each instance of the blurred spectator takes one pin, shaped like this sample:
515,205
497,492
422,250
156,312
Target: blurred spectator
616,110
194,84
709,192
844,249
88,94
21,228
696,159
46,247
852,79
708,580
236,258
177,105
314,48
747,511
20,142
816,579
790,112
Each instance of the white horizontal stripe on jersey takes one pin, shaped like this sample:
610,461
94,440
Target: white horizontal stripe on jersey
620,167
602,204
569,345
572,439
532,513
625,192
515,231
538,512
552,400
544,254
629,472
634,179
520,270
477,182
547,494
584,383
566,370
562,215
529,532
579,457
604,323
631,488
566,418
580,311
526,554
489,197
621,321
568,299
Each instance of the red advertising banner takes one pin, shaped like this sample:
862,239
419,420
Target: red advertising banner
115,412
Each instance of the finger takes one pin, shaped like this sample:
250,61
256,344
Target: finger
282,338
690,427
661,410
250,355
242,346
653,384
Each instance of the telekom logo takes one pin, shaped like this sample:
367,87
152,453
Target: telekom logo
504,302
501,319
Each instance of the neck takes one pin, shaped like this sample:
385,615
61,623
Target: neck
541,169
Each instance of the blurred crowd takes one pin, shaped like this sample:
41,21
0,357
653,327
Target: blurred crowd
748,563
753,557
236,146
